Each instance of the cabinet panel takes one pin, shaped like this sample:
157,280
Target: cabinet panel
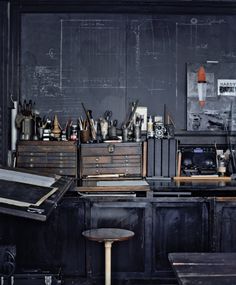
56,243
127,256
225,226
178,227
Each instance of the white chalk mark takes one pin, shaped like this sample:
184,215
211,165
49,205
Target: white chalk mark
61,39
51,53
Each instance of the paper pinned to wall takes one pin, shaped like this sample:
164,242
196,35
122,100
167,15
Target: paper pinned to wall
13,127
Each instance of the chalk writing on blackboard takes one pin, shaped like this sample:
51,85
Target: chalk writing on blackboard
92,54
46,82
52,54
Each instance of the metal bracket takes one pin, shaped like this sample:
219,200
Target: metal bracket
111,148
35,210
48,280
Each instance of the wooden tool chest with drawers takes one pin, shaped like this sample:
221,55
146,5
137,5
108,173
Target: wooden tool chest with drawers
52,157
122,159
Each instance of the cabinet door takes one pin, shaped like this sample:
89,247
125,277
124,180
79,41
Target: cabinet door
225,224
178,226
56,243
127,256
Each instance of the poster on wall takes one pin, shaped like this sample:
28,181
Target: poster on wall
211,96
226,87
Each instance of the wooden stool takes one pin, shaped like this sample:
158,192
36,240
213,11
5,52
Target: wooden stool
108,236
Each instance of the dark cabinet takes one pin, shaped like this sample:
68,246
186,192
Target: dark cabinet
225,224
161,226
179,225
56,243
127,256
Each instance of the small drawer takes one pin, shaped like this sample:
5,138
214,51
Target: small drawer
105,149
95,159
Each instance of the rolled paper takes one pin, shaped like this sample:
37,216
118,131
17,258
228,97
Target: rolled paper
13,127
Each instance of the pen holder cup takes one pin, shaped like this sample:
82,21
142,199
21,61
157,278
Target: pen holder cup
84,136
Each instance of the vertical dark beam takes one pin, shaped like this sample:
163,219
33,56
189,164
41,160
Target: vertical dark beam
150,157
165,158
4,52
12,24
172,157
14,50
158,158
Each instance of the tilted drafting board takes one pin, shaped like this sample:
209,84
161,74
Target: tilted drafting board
30,195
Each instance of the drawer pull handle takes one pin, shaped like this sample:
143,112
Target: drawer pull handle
111,148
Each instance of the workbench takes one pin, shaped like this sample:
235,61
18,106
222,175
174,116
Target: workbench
214,268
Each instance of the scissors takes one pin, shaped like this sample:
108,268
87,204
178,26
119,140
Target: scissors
108,115
115,122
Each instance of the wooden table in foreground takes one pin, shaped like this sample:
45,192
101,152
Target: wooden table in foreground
204,268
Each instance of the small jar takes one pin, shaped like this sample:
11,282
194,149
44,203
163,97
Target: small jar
63,135
74,133
150,132
124,134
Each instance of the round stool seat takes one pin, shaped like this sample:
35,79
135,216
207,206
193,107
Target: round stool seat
108,236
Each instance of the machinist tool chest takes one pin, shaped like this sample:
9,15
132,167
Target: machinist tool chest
123,159
49,157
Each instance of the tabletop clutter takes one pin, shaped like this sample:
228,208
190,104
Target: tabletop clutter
105,129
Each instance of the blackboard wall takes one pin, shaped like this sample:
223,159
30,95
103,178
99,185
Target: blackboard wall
109,60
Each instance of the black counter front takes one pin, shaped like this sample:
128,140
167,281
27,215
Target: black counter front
175,217
194,188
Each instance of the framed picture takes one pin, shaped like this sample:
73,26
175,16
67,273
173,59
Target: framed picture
211,100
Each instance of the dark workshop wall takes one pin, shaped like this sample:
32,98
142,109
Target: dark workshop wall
3,82
109,60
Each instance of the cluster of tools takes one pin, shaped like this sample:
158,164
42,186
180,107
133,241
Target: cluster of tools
26,120
33,127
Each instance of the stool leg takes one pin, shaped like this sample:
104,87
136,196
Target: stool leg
108,245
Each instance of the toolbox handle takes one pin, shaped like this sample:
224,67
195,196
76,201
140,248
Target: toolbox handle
111,148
